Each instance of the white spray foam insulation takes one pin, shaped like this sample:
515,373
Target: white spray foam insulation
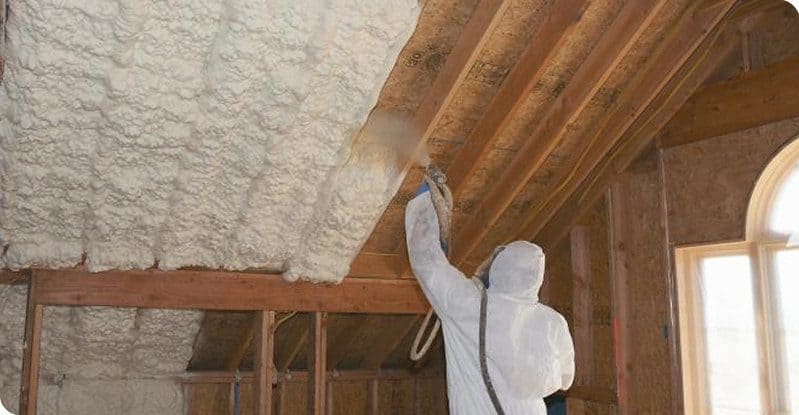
193,132
98,360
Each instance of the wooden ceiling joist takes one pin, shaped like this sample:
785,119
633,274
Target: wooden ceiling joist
574,202
751,100
625,31
208,290
8,277
515,89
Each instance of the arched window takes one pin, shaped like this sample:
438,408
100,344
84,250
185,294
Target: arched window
3,410
739,306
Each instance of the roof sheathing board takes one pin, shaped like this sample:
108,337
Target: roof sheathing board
560,163
503,48
134,134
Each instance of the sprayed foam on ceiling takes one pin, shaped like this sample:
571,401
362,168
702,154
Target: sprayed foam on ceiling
194,133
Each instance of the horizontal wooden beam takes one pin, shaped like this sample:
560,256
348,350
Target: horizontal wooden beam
302,376
757,98
8,277
208,290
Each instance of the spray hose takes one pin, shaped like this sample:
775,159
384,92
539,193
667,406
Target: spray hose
442,201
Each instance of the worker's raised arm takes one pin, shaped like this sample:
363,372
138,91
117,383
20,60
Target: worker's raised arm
436,275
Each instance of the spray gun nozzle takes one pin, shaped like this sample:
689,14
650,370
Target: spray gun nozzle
435,174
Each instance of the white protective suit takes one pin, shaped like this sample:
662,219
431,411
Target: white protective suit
528,346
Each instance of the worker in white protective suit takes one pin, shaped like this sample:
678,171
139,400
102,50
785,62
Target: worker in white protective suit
528,349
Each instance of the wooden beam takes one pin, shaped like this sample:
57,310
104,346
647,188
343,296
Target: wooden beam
264,362
374,397
581,305
207,377
475,34
8,277
376,265
317,364
633,143
694,29
281,400
628,27
515,89
226,291
757,98
619,295
29,388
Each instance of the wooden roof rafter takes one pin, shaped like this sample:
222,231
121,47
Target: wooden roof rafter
514,91
627,28
552,220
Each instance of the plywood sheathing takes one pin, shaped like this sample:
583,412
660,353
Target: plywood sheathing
502,49
471,99
560,163
709,182
643,241
602,369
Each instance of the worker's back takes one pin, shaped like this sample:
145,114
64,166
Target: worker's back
528,347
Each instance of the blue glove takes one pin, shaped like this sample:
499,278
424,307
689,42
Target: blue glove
423,188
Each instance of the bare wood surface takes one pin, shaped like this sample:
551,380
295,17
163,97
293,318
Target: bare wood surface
226,291
625,31
581,305
8,277
317,364
484,20
631,145
264,364
757,98
302,376
515,89
376,265
683,40
29,387
619,295
374,397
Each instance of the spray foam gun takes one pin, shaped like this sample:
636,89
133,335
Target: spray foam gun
436,181
441,196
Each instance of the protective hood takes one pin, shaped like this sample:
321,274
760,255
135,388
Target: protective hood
517,272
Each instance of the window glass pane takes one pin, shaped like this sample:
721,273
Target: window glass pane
730,345
787,289
784,219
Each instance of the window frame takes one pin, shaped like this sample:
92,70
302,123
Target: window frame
760,246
